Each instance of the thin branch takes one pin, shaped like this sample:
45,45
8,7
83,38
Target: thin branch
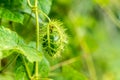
45,15
64,63
112,17
26,67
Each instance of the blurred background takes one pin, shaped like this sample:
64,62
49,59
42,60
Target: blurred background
93,50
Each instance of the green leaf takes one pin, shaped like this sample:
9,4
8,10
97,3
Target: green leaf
22,5
11,15
44,67
12,4
20,73
8,40
45,5
11,42
10,10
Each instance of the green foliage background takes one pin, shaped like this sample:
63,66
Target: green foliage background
93,28
92,51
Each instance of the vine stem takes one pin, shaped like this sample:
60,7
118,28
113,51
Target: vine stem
26,67
37,36
0,64
45,15
28,1
35,8
89,61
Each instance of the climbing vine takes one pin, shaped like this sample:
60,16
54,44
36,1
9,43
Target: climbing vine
48,37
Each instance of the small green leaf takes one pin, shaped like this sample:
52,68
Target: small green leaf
11,15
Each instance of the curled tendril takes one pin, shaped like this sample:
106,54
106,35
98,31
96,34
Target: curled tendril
29,3
53,38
